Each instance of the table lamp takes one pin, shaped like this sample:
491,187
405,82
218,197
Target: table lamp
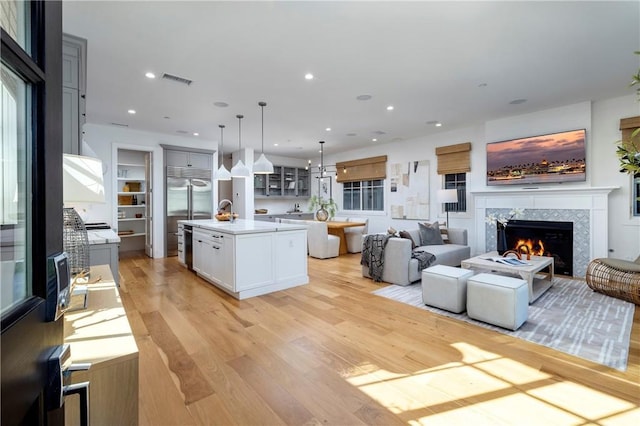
81,183
446,196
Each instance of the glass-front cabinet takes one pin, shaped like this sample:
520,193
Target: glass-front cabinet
284,182
275,182
303,183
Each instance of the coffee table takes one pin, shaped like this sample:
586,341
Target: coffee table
537,281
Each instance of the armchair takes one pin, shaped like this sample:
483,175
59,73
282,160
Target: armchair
321,244
616,278
354,235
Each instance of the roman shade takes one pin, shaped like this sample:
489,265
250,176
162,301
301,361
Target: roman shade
364,169
454,158
627,127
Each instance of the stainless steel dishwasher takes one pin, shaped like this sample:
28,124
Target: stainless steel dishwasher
188,246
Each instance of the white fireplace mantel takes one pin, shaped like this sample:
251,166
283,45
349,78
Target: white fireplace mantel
594,199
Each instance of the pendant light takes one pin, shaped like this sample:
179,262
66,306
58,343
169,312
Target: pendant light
240,170
222,173
262,166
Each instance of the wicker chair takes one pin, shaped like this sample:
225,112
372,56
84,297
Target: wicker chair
615,277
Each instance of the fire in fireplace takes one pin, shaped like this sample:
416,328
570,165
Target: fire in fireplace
544,238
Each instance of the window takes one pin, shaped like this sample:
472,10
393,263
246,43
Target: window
363,195
636,195
456,181
17,80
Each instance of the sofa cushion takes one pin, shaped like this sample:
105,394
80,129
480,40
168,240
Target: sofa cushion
430,234
407,235
448,254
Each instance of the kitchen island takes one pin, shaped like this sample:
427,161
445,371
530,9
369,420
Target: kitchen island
247,258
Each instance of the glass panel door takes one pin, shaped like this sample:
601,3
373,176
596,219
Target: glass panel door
289,174
275,182
15,212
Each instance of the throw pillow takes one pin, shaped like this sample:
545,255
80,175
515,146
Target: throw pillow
405,234
430,234
444,233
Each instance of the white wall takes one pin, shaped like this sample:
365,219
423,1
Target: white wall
600,118
624,229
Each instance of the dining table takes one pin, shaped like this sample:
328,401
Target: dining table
337,228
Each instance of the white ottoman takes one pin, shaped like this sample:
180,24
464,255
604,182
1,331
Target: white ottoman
498,300
445,287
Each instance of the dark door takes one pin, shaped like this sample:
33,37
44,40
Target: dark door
30,203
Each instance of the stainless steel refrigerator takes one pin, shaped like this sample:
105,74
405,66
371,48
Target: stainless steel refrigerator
189,196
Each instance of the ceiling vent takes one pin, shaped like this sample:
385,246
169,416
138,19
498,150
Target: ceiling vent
177,79
119,124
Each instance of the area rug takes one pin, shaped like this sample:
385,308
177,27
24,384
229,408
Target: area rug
569,317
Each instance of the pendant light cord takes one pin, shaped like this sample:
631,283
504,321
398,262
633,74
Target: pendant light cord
262,105
221,143
239,117
322,159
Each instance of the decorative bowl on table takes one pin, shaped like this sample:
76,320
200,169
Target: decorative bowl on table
226,216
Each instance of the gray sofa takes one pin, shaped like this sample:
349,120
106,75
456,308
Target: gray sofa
401,269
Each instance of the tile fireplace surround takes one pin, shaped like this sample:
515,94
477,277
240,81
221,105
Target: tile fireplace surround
586,207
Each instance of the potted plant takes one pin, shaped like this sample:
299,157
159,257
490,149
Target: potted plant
629,151
324,209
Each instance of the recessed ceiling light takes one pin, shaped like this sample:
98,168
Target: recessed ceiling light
390,108
328,129
517,101
221,104
482,85
131,111
308,76
150,75
374,140
379,132
434,123
351,134
275,144
196,134
363,97
438,124
166,117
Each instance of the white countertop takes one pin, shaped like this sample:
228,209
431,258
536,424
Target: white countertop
241,226
102,236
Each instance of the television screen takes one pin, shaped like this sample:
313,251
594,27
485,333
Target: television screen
552,158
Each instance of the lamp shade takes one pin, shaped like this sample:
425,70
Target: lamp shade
240,170
448,195
222,173
262,166
82,179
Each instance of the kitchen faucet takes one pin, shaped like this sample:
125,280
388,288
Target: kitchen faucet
223,205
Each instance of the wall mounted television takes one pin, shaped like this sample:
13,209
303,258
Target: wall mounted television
551,158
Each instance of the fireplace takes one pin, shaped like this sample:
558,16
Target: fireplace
544,238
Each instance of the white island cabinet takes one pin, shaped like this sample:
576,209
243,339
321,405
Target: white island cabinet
247,258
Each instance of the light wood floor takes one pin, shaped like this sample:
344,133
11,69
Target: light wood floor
332,353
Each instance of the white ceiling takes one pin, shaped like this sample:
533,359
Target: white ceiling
459,63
